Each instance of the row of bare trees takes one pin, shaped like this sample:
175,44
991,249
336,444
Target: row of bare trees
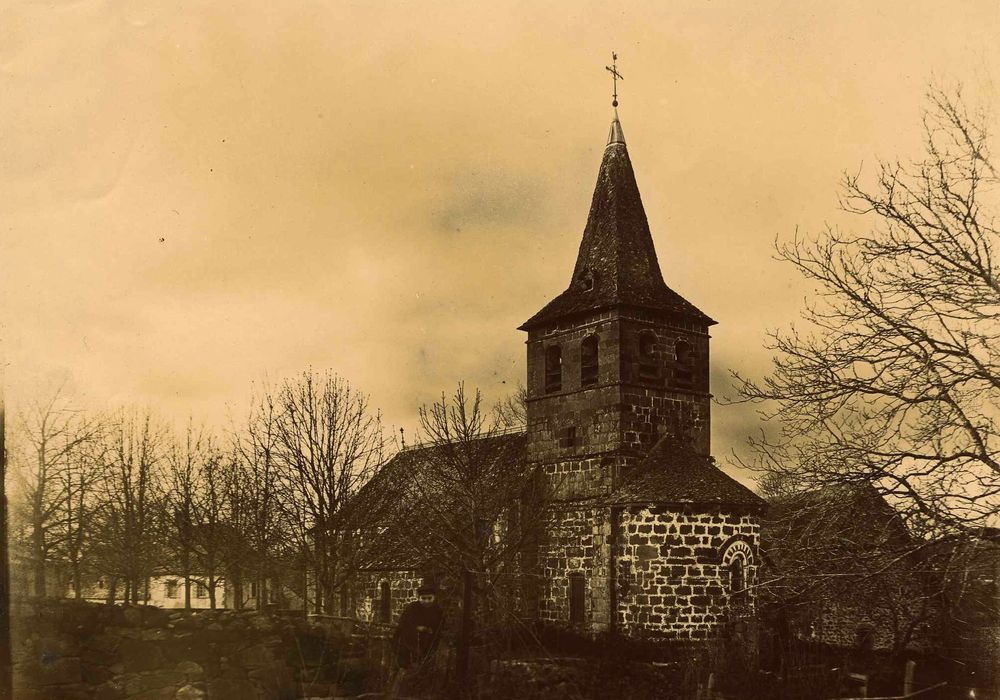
120,497
283,501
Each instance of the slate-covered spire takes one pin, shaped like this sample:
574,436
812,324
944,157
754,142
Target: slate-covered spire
616,264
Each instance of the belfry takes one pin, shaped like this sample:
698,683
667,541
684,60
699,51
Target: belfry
645,535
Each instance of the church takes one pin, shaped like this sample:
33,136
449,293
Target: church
644,536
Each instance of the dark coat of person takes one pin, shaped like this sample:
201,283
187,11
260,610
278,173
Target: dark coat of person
418,633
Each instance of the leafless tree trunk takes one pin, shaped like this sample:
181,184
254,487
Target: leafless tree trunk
57,436
329,444
895,379
252,493
183,492
132,512
471,505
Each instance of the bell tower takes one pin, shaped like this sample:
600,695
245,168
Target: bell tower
618,359
615,362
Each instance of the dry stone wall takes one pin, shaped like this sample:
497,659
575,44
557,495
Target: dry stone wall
69,650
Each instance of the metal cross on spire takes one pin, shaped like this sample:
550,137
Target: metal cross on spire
615,76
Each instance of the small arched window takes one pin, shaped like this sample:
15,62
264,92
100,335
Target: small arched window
588,361
553,369
648,368
737,558
384,602
684,371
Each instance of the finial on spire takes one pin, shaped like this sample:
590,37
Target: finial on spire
615,77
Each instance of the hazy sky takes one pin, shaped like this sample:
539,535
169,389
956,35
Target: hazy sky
196,193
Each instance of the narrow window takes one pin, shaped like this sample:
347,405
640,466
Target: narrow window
588,361
253,589
737,576
647,356
200,590
577,587
384,602
172,588
567,437
553,369
684,371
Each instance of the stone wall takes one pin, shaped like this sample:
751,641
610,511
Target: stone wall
69,650
629,407
884,614
579,679
576,542
664,402
403,585
670,578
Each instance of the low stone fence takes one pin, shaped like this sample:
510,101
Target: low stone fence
574,678
69,650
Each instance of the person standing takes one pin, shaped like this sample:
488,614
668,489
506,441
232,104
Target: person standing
416,638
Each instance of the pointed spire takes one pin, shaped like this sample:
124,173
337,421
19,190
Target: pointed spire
616,135
616,264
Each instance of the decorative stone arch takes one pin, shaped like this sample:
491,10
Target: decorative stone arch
736,562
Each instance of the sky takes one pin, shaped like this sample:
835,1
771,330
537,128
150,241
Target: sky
195,195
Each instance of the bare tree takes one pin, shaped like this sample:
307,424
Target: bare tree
183,484
54,479
892,385
842,552
895,381
195,499
131,513
259,526
329,444
79,482
472,506
214,530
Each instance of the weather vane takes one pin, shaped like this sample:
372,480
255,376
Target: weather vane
615,76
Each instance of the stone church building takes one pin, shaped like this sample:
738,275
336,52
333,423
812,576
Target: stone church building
644,535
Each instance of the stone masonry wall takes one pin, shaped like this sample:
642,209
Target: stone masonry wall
74,650
670,581
403,585
576,542
664,403
627,410
648,414
886,611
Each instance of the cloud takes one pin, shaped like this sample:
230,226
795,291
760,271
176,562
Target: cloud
477,202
